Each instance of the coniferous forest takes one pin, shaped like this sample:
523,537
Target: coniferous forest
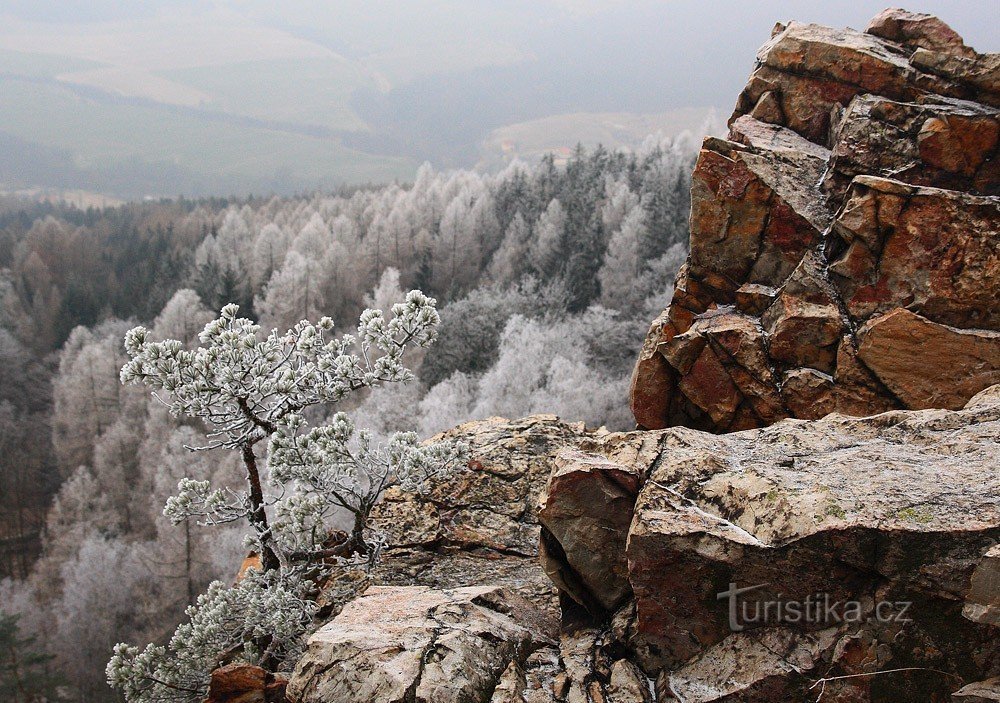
546,277
684,412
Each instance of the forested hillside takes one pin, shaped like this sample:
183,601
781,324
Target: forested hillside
546,277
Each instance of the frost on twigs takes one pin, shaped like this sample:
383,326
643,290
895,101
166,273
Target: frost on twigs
338,468
263,616
250,391
242,383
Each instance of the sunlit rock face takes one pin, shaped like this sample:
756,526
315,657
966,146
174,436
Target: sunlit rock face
860,177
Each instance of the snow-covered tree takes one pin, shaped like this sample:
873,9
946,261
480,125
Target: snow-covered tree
457,250
549,233
295,292
182,318
387,290
269,249
87,397
250,389
265,613
619,201
448,403
509,261
116,468
543,367
103,582
620,273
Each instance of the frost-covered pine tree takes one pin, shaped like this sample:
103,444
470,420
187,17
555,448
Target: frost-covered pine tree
549,233
510,258
251,391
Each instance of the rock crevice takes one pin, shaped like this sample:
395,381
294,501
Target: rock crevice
737,544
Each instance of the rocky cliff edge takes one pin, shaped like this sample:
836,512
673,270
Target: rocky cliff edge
836,321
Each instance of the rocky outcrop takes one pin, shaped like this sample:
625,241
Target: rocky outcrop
459,607
834,536
860,178
406,644
759,563
865,545
480,528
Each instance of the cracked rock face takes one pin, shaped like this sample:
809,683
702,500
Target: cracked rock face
738,544
459,591
861,176
413,644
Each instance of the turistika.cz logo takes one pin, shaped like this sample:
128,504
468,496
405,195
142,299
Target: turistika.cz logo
815,609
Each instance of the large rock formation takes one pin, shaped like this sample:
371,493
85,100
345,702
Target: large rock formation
845,262
860,179
750,566
482,528
840,547
459,607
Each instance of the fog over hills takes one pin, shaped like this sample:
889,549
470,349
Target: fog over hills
164,97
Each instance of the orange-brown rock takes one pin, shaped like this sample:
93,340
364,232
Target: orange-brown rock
927,365
980,74
916,29
593,514
861,175
590,519
808,393
815,71
245,683
934,251
946,144
982,603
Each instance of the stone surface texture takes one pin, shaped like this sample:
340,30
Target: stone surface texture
860,177
810,509
479,529
399,644
244,683
894,519
459,608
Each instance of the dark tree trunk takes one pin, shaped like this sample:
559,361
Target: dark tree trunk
258,516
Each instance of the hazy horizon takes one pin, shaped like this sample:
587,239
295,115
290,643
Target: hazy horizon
168,97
